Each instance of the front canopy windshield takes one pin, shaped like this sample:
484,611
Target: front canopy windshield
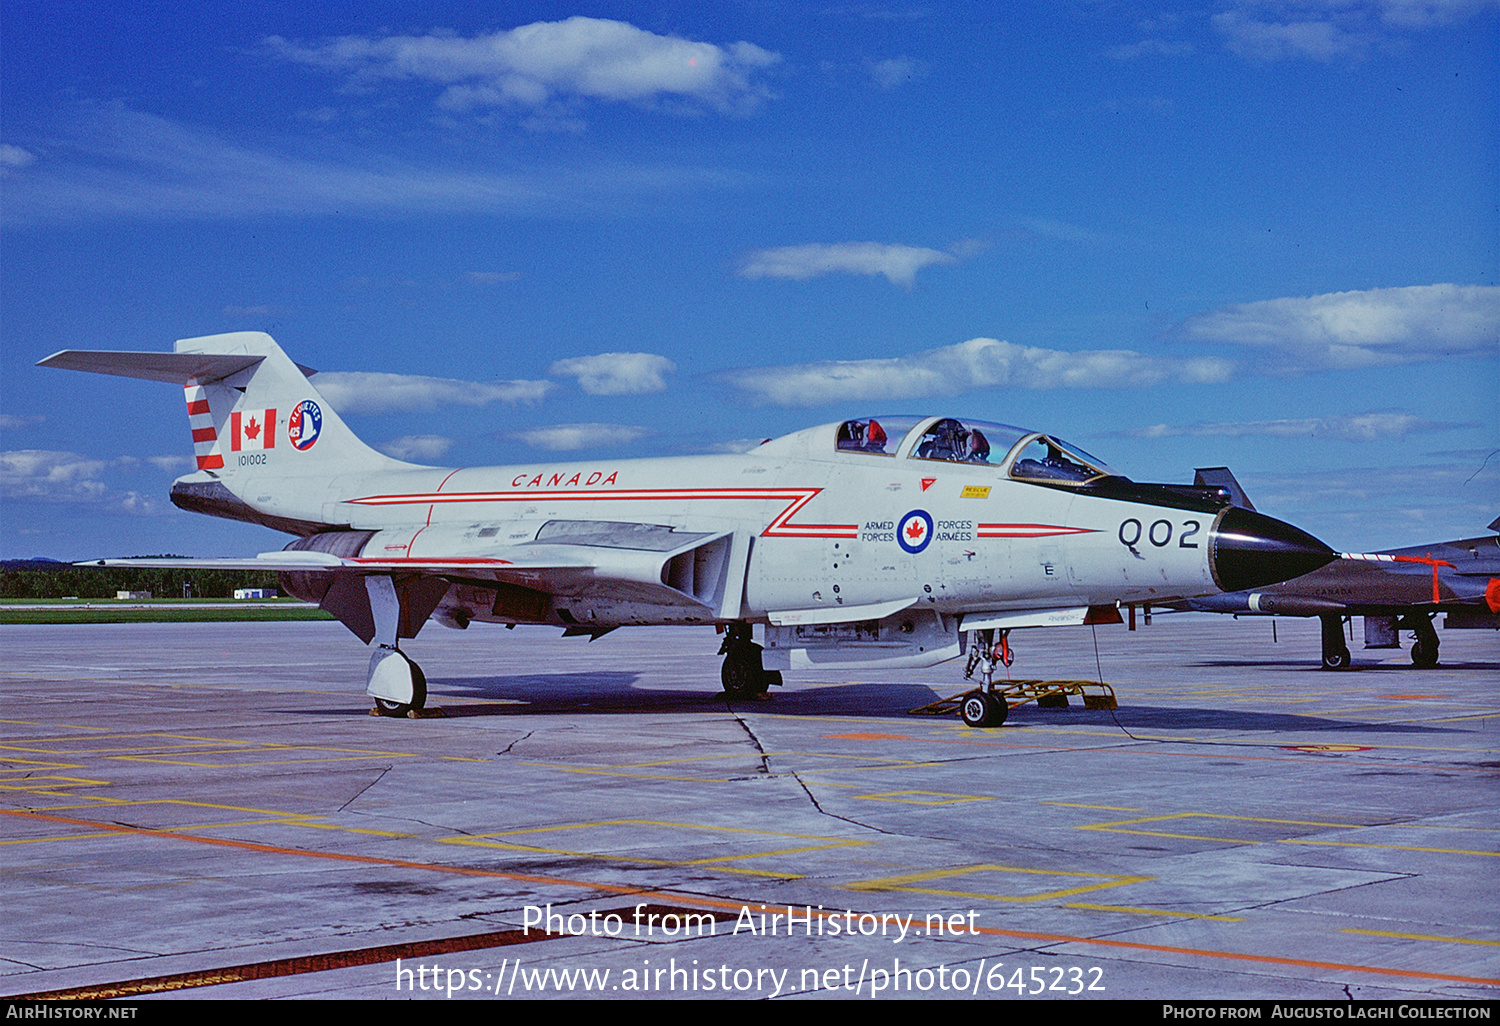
1050,461
967,441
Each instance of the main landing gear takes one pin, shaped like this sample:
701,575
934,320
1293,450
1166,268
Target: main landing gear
742,673
986,706
1424,651
1335,651
397,684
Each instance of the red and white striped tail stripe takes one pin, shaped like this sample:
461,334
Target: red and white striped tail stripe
205,438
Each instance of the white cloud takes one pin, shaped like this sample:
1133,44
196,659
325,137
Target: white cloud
241,312
44,474
418,447
1270,41
1362,329
11,420
889,74
1322,30
1152,47
975,364
14,156
538,64
572,437
1361,427
360,392
49,476
114,162
1424,13
899,264
617,373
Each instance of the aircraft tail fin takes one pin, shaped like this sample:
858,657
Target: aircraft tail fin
255,418
1220,477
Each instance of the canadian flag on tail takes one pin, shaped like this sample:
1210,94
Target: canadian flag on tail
252,429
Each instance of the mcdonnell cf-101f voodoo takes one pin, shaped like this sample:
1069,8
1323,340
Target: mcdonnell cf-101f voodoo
881,541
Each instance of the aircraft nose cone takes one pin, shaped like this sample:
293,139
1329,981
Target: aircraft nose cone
1251,550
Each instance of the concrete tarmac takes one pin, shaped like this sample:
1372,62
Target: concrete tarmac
208,810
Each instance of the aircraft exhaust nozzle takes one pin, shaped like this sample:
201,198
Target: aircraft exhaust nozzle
1251,550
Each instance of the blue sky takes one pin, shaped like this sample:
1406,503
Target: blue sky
1258,233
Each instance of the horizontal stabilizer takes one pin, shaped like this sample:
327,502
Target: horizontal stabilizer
175,368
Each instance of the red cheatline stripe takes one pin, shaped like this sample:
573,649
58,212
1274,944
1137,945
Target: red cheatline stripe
1029,530
445,561
778,528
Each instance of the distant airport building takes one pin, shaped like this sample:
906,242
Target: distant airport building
254,593
132,595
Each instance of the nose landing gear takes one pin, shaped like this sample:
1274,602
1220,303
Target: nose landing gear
742,673
986,706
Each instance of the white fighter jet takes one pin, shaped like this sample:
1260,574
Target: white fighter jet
882,541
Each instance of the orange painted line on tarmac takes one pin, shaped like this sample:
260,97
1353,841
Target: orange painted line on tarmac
695,900
369,860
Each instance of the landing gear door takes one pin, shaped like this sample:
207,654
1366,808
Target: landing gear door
734,575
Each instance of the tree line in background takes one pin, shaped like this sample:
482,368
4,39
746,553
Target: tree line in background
44,580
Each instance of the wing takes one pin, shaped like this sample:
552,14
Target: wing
623,572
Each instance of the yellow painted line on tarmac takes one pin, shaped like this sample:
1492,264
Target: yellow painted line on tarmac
492,840
1392,847
1081,805
1153,912
586,771
908,881
1423,937
1125,826
24,784
102,831
252,763
926,797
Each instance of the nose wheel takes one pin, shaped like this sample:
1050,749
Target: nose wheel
985,706
983,709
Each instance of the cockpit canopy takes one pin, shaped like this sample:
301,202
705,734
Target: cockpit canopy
1024,455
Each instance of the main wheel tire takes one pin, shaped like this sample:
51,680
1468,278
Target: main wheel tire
741,677
386,707
1338,659
980,709
1424,655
